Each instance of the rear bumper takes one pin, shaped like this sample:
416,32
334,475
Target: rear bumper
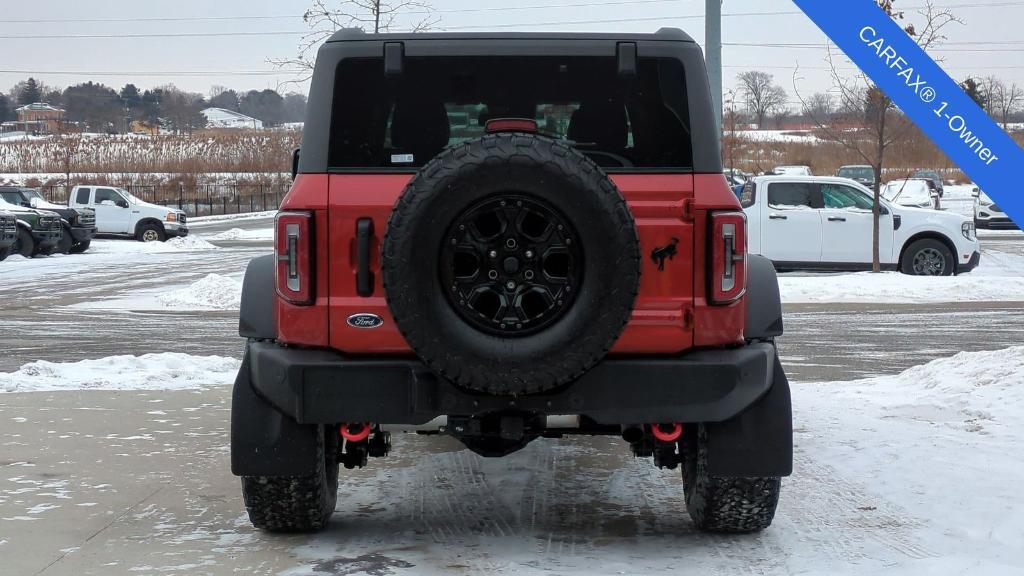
327,387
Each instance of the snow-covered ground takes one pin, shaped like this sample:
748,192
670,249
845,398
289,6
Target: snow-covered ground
240,234
200,221
161,371
801,136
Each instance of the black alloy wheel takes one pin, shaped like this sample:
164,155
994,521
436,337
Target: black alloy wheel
511,264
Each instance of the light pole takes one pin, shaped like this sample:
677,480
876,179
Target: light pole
713,53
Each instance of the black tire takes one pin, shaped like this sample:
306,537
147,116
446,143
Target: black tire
150,232
928,257
66,241
3,253
25,244
296,503
537,169
80,247
719,504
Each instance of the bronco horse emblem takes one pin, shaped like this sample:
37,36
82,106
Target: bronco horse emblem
660,254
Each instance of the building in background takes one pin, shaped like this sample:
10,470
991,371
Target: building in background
223,118
38,118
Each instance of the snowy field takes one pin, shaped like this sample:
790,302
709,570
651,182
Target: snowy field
114,439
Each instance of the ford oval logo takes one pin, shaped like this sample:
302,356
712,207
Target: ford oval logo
365,320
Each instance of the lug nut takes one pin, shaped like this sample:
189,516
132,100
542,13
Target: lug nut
493,274
529,253
511,285
493,253
529,274
511,243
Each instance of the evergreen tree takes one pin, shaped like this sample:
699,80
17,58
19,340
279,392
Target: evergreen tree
30,93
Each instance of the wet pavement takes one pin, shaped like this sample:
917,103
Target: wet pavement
138,482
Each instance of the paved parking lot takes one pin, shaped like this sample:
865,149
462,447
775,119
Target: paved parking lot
138,482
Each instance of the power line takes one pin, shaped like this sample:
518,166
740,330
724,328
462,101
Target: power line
294,16
151,73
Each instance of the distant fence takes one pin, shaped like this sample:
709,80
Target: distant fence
201,200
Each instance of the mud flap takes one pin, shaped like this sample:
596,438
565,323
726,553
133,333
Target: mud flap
265,442
759,441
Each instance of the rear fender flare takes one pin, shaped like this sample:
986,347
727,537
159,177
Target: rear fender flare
764,305
256,318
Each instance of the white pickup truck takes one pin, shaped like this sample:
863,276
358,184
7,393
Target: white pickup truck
819,222
118,212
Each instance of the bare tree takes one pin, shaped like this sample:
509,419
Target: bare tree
1003,100
325,17
731,139
819,105
880,124
761,95
68,145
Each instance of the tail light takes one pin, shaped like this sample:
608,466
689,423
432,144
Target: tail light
293,247
728,257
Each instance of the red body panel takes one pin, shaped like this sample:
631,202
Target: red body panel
671,312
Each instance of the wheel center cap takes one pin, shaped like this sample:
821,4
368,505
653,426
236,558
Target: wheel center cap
511,265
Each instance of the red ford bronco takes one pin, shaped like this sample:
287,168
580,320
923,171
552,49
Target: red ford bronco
503,237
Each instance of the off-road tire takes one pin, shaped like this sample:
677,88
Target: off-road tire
66,241
719,504
533,167
296,503
927,245
146,232
25,244
80,247
3,253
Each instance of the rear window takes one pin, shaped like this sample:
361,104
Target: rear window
790,195
639,124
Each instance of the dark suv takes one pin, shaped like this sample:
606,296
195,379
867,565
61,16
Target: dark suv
78,225
8,232
503,237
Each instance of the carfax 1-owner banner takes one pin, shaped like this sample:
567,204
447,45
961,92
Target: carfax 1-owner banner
926,94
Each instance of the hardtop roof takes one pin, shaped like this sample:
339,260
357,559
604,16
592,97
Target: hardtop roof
357,35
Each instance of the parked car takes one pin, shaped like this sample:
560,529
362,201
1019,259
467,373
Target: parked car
8,232
861,173
934,178
915,192
792,170
79,226
826,223
493,292
39,231
120,213
987,214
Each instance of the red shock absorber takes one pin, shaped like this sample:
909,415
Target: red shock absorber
667,432
355,432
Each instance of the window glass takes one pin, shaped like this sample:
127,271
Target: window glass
790,195
437,102
82,196
748,195
839,196
107,194
11,197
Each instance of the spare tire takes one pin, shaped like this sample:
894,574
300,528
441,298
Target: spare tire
511,264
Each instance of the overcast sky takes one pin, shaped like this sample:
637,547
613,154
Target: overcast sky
197,62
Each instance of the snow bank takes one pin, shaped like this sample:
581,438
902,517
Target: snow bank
214,292
127,246
240,234
864,287
201,220
164,371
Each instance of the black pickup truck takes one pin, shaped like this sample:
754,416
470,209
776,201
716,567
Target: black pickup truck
79,225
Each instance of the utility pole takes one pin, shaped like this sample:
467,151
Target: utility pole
713,54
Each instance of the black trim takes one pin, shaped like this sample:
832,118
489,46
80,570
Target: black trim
970,265
256,318
80,234
764,305
782,266
324,386
364,238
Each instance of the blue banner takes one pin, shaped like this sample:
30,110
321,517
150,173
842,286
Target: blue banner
926,94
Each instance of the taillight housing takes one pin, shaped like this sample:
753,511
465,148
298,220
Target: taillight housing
728,277
293,251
